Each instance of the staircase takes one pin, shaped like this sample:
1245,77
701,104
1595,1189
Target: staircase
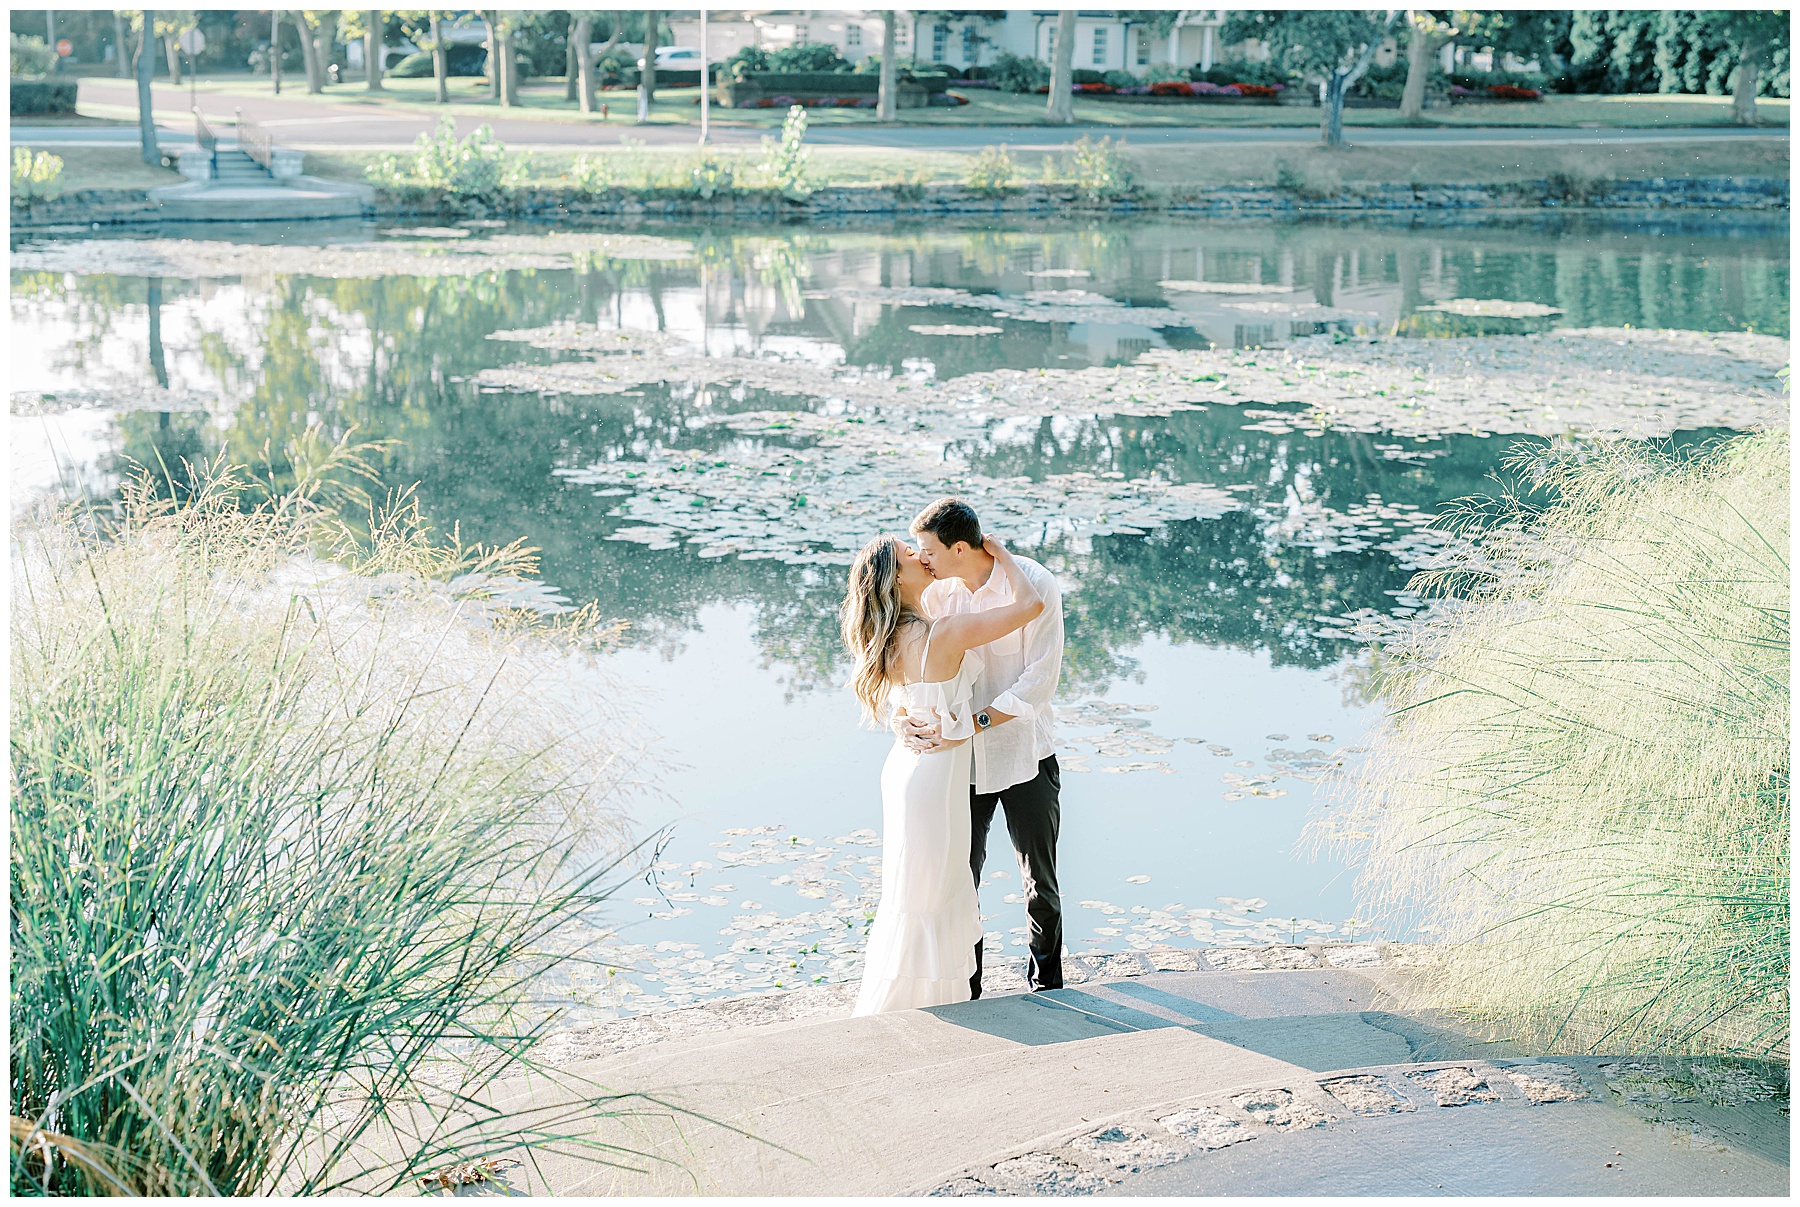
234,167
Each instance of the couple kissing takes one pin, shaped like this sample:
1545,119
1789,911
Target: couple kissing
957,646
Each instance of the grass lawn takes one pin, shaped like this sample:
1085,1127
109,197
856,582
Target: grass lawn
544,100
1317,168
110,168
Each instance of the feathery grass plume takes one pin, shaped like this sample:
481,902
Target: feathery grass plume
287,835
1581,784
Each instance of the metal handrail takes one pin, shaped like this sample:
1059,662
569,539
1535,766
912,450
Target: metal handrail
253,140
206,140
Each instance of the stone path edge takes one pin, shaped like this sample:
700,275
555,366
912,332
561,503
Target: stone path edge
806,1002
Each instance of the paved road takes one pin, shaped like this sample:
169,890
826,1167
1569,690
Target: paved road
366,125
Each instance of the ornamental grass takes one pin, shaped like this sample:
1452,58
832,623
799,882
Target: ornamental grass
287,831
1580,789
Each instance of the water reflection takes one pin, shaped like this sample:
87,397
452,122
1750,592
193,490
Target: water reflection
392,357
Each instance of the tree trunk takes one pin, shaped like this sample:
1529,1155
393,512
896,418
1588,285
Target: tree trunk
584,62
440,58
1743,88
888,102
1061,107
647,80
571,71
309,54
145,65
121,50
493,48
1418,71
509,62
173,51
1337,84
372,50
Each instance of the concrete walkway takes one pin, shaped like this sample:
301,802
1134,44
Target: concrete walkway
1135,1081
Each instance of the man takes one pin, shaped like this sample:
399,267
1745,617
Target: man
1013,767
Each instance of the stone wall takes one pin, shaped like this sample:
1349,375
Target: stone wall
1692,195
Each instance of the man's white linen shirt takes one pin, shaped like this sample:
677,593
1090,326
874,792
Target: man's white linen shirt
1019,674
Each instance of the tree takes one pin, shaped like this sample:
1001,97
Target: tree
1060,109
887,102
372,50
318,34
491,17
169,25
1754,34
1426,34
120,52
1331,46
647,79
145,65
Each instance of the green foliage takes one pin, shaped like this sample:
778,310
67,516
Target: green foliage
783,165
1119,79
993,171
713,173
474,167
1311,43
1582,785
286,835
31,59
1244,71
592,175
35,177
807,56
1011,73
31,97
1099,169
1669,51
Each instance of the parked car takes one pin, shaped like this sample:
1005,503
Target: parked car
675,58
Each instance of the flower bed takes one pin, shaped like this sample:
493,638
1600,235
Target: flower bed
1183,91
1499,92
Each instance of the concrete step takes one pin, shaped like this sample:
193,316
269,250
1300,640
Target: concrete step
1079,1090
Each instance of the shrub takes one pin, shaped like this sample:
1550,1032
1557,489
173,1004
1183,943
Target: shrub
35,177
783,165
713,174
1012,72
992,171
806,56
1099,169
1582,784
31,58
1163,73
286,836
473,167
591,175
33,97
1120,79
1083,75
1242,71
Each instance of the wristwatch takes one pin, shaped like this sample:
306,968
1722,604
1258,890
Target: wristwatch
982,720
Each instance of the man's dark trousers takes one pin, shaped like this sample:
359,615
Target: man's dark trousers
1033,816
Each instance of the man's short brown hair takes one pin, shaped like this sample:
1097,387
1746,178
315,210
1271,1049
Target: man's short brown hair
950,521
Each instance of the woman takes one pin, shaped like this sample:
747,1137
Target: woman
922,948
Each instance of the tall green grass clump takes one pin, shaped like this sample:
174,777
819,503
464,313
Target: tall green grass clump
287,831
476,167
1581,785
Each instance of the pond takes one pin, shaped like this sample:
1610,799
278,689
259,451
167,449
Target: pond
696,426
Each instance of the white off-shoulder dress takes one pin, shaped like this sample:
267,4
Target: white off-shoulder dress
922,946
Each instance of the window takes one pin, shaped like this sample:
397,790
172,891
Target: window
969,43
853,37
1100,47
802,33
940,37
1143,47
1050,45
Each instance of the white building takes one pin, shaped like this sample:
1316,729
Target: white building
1104,40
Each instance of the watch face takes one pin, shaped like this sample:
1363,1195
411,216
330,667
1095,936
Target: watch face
983,720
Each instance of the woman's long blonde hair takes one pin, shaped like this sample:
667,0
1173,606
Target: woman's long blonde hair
870,617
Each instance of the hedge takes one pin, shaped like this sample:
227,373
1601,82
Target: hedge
30,97
834,83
